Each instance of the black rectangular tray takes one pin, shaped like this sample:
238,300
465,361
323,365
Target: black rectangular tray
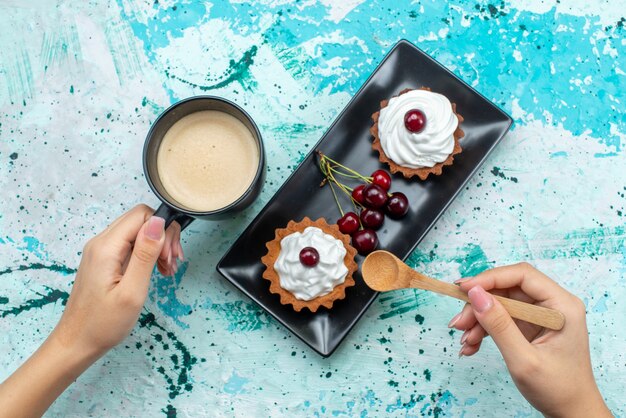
348,141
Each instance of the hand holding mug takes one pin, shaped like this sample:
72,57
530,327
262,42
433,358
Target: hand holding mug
114,274
108,294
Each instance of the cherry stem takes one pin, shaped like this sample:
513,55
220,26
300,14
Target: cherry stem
326,167
345,189
350,176
340,185
336,200
352,173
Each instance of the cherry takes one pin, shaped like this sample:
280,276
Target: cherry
372,218
309,256
348,223
357,193
397,205
415,120
374,196
382,178
365,241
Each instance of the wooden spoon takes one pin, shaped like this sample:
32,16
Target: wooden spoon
383,271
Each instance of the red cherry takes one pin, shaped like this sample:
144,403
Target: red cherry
397,205
415,120
382,178
374,196
372,218
309,256
348,223
365,241
357,193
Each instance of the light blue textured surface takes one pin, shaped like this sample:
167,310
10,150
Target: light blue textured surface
80,83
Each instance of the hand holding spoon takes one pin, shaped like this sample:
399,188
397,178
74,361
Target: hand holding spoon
383,271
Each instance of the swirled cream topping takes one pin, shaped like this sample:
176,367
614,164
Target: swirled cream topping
424,149
307,283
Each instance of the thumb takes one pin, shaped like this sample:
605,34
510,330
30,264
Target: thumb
148,245
498,323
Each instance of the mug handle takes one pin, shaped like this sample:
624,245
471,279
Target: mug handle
170,215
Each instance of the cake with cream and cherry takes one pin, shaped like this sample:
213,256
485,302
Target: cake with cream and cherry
417,133
309,264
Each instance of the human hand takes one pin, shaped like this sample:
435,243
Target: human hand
112,282
552,369
171,252
109,290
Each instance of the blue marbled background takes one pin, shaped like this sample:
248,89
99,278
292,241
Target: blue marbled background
81,81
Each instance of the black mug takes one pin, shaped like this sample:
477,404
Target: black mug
170,210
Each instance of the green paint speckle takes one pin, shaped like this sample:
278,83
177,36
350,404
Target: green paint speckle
152,105
592,243
418,257
242,316
427,374
169,411
58,268
419,319
237,71
182,363
51,296
496,171
474,261
398,303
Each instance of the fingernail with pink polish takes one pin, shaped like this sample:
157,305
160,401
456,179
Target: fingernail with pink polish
454,320
181,255
462,351
463,279
464,337
174,250
155,228
479,298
